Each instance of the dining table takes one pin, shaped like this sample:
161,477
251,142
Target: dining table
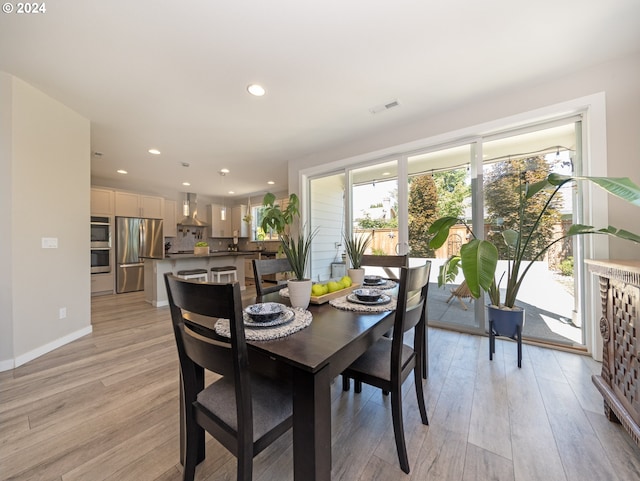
313,357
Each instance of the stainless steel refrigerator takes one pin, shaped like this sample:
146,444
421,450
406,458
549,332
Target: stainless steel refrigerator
136,239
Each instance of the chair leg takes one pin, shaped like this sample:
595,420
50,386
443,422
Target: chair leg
194,433
398,427
345,383
245,463
357,385
420,396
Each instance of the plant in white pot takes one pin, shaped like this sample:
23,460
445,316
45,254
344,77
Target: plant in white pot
356,246
297,248
479,258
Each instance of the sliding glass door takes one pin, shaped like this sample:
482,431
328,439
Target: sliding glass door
548,293
396,199
439,184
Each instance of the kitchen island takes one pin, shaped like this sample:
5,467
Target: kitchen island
154,270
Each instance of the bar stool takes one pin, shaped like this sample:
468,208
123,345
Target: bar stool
229,271
199,274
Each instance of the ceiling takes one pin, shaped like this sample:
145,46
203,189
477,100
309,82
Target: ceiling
173,75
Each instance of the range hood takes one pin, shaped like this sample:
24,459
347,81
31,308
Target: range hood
190,211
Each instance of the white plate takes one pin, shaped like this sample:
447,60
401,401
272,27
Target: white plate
286,316
384,299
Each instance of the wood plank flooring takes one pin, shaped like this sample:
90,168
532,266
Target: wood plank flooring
105,407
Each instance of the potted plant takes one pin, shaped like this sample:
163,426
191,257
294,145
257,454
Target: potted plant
355,247
478,258
297,248
201,249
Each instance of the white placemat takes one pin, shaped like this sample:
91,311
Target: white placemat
302,318
344,304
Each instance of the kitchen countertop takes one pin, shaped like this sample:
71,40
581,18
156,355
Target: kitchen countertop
210,254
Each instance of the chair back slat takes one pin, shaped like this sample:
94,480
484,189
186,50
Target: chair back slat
264,267
386,262
210,302
411,306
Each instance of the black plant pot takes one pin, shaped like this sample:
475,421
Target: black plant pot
505,323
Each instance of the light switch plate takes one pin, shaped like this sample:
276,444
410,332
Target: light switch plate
49,242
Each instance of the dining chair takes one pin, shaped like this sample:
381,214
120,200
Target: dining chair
263,267
388,362
244,411
394,261
386,262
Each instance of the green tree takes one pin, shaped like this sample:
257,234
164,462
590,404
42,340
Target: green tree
503,185
453,189
423,201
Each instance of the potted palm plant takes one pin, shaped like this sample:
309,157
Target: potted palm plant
355,247
296,248
478,258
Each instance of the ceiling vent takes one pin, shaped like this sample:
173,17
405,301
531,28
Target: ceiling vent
384,107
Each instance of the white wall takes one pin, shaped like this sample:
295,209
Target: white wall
619,79
49,180
6,287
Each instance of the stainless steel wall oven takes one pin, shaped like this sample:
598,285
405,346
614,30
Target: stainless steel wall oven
100,260
100,244
100,232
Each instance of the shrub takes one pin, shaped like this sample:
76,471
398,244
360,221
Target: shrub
566,266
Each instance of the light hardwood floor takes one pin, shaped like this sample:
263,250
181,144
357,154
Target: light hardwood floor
105,407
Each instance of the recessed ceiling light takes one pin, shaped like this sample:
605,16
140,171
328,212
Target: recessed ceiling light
186,183
223,172
122,171
270,182
386,173
257,90
154,151
231,192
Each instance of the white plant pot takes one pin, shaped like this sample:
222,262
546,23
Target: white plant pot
299,292
357,275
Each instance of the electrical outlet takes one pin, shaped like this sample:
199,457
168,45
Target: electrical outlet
62,313
337,245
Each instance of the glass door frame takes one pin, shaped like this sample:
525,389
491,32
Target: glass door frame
591,107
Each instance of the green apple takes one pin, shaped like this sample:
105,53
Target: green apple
346,280
333,286
317,289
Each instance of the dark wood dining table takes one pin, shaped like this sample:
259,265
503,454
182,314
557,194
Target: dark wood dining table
313,357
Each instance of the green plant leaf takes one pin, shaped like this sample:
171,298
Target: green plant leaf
533,189
511,237
441,230
479,261
448,270
622,187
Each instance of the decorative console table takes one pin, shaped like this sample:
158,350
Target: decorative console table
619,382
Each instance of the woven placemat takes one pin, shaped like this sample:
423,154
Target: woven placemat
346,305
302,318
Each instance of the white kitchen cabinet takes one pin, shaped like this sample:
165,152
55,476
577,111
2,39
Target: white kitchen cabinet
134,205
238,212
220,219
170,227
102,201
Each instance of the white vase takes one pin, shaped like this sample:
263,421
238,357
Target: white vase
299,292
357,275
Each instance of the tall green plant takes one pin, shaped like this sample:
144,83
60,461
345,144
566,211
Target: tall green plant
479,258
356,246
297,248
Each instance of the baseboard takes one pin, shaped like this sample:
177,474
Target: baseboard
31,355
6,365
